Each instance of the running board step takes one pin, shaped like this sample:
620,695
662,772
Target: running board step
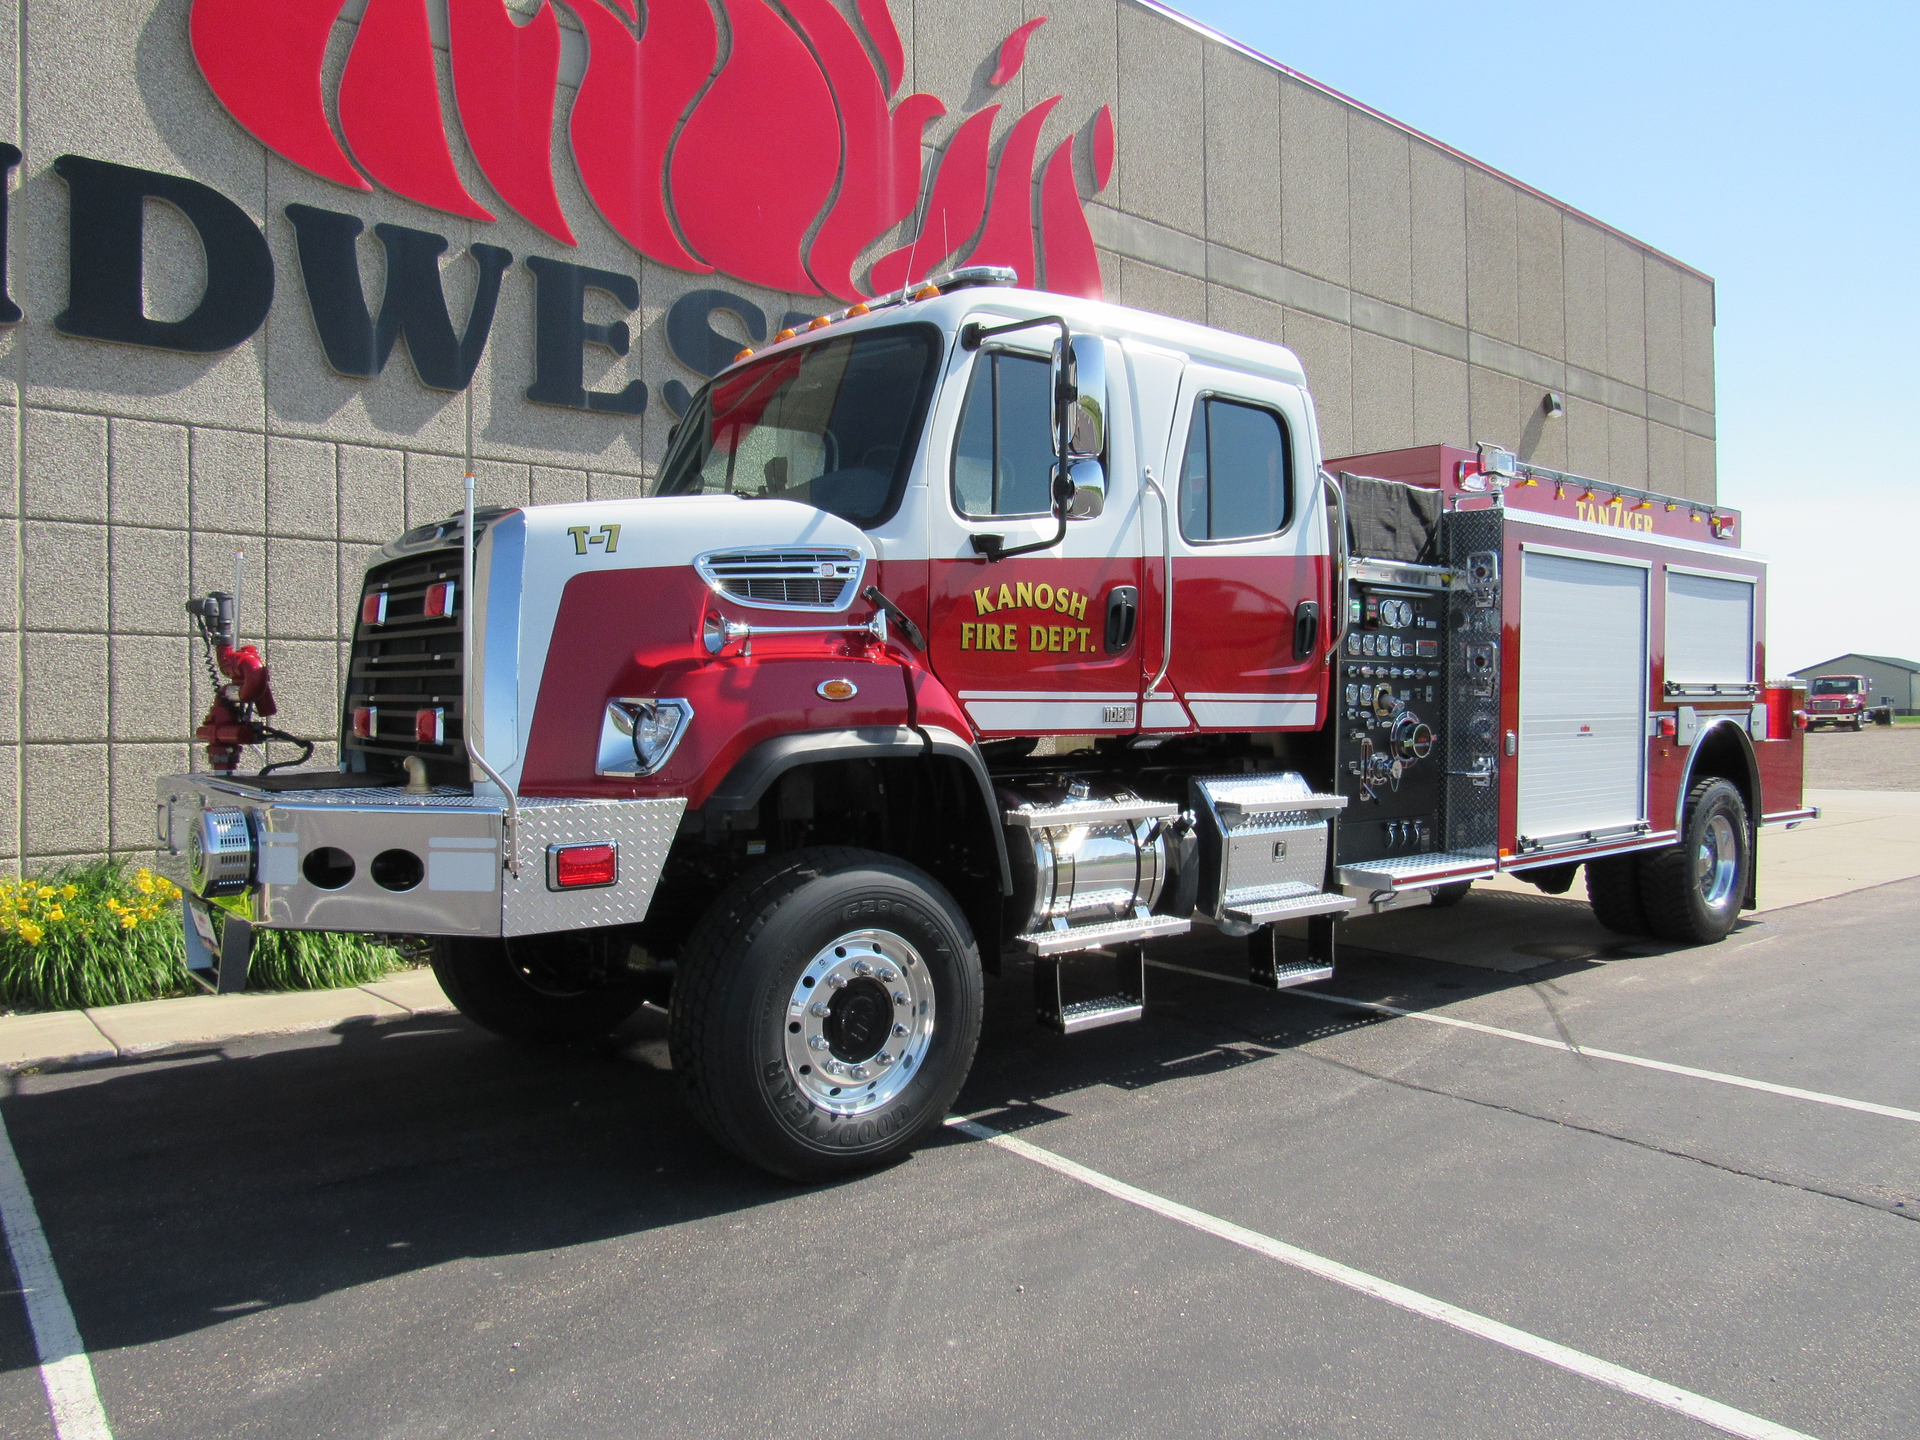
1052,1010
1294,907
1077,938
1090,812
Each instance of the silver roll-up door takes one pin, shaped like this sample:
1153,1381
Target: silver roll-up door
1709,628
1583,696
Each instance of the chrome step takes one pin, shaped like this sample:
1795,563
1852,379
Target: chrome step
1301,972
1092,1014
1075,938
1416,872
1090,812
1291,907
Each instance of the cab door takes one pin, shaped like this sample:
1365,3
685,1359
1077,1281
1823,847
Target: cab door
1250,563
1045,643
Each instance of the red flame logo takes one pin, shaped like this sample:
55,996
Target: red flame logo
777,156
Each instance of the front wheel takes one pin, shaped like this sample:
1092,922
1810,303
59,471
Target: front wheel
1693,891
825,1012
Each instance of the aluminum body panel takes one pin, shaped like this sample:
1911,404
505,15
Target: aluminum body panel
458,839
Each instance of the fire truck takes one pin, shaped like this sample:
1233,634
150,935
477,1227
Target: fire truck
1838,700
980,627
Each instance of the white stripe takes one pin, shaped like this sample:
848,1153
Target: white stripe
64,1367
1242,714
1792,1092
1058,715
1590,1367
1241,695
1106,697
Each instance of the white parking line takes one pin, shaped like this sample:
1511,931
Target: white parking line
1604,1372
64,1367
1792,1092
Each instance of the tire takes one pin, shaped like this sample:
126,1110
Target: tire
791,1084
539,989
1693,891
1444,897
1613,890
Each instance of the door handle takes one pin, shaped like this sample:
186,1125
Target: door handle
1306,628
1123,609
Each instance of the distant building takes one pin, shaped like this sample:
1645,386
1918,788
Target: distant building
1895,681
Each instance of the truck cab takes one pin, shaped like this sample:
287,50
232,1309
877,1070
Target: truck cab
1844,702
977,627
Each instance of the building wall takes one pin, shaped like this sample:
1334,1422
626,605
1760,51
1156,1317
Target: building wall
1429,300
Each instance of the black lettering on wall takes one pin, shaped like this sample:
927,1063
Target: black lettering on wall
414,303
701,348
561,332
106,298
9,157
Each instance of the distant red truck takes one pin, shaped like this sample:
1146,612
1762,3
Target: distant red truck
1841,701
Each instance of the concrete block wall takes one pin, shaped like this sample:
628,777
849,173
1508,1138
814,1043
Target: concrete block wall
1428,299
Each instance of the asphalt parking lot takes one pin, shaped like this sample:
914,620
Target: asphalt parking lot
413,1229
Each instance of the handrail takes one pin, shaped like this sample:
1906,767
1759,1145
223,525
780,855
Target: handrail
466,679
1166,585
1341,559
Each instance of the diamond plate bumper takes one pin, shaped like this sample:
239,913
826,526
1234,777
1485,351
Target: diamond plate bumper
459,844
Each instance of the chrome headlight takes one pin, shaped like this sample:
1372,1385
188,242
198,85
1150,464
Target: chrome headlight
638,736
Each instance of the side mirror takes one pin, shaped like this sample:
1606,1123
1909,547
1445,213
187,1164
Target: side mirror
1089,490
1080,395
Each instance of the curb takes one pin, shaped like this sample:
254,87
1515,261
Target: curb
78,1037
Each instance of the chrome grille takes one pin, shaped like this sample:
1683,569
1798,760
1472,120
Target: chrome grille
797,579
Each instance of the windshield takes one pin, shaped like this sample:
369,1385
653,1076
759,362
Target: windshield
833,425
1837,685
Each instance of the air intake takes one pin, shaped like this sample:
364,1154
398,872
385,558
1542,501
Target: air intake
809,579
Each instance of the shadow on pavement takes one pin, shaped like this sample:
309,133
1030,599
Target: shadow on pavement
183,1190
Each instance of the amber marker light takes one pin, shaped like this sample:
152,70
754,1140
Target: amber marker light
1587,496
746,354
927,292
820,322
1644,505
786,334
855,311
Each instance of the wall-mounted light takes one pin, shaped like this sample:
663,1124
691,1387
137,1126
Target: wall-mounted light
1553,405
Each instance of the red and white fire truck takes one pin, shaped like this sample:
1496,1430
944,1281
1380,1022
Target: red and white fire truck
977,624
1838,700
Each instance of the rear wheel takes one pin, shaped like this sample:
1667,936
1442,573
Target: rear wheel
1444,896
825,1012
1613,889
1693,890
546,989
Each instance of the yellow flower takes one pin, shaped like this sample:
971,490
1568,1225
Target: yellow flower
143,881
30,932
127,922
54,912
67,892
46,892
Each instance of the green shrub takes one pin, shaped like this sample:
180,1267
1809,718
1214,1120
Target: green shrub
99,934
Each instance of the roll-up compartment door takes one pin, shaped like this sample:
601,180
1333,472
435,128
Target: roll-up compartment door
1709,629
1583,696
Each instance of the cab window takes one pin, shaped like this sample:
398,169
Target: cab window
1004,459
1236,479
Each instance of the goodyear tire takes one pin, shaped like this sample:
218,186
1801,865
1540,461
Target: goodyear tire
541,989
825,1012
1693,891
1613,890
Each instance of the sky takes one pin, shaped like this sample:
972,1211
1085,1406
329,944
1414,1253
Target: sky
1774,147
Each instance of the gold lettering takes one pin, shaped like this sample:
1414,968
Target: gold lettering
1022,592
609,533
983,601
1077,606
1043,596
579,534
967,627
1036,637
1084,633
1006,598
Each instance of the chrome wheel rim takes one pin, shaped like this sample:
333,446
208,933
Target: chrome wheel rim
1716,864
859,1021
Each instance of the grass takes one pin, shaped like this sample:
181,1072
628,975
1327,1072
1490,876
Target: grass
101,934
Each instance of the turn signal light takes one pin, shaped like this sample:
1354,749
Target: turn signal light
1668,727
440,600
430,726
581,867
366,719
373,608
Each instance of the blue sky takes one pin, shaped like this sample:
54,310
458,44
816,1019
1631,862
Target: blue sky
1771,146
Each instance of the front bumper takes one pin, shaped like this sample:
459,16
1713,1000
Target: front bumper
457,850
